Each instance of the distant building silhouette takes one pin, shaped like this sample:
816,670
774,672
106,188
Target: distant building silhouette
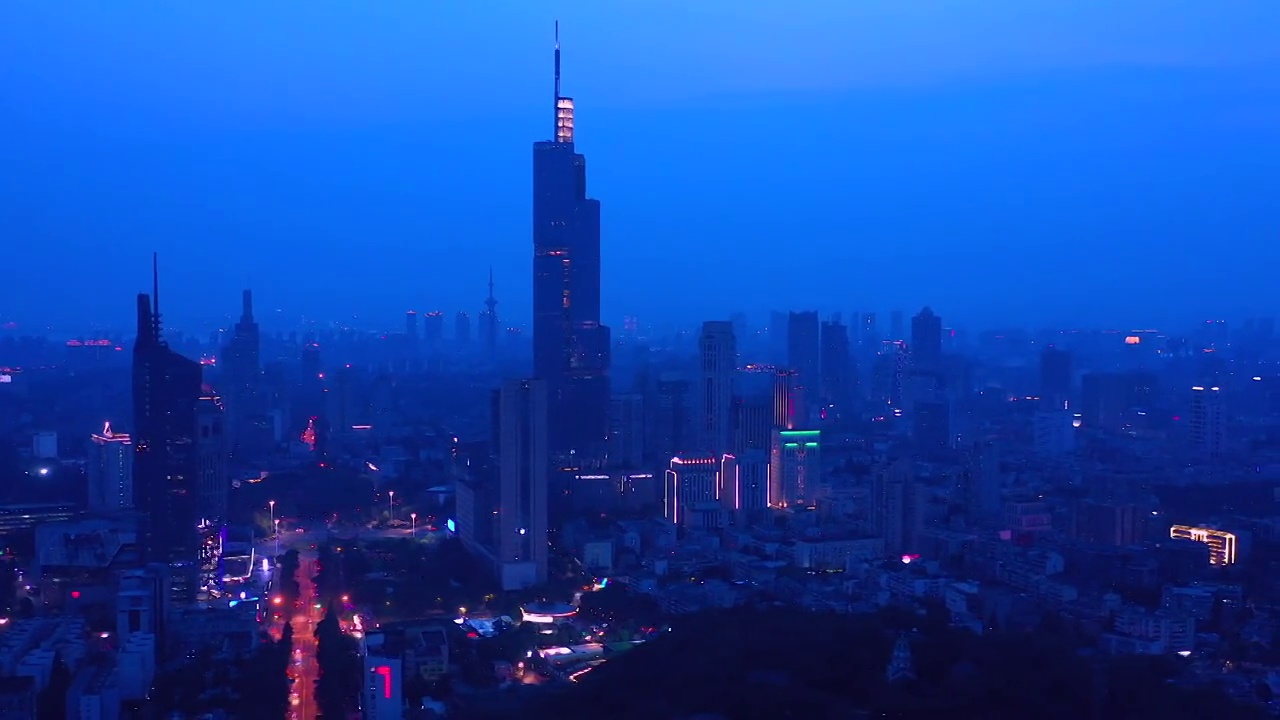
489,323
1208,423
837,370
926,341
718,360
1055,376
804,357
462,329
241,385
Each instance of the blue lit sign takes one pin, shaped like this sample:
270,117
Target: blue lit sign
453,528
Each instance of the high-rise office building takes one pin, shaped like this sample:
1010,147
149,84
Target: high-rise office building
788,401
692,482
520,552
110,470
926,341
753,418
1106,398
211,451
837,368
931,425
795,469
166,387
627,430
869,336
411,326
718,363
570,345
804,357
981,484
668,425
241,385
1207,423
753,423
433,329
897,507
462,328
1055,376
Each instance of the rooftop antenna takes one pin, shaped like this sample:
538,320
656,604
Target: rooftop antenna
491,302
555,103
155,294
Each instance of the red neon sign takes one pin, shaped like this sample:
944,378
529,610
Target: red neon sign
385,672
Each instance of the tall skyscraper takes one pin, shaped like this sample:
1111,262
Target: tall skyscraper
521,540
837,369
926,341
166,387
570,345
433,329
462,328
668,425
211,451
242,384
718,363
110,470
788,401
627,430
804,356
1208,423
411,326
869,336
1055,376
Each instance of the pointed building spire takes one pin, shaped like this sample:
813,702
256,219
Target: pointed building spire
155,296
562,107
246,305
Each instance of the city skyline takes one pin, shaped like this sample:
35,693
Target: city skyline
890,206
941,330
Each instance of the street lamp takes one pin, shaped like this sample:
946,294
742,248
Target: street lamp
271,505
413,524
391,505
276,527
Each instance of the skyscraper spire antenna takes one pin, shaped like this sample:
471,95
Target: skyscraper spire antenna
155,295
562,107
555,103
491,302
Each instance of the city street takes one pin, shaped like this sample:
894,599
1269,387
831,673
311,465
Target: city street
303,669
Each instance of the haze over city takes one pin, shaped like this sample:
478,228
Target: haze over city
1090,164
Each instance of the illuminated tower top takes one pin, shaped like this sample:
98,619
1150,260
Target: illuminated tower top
563,110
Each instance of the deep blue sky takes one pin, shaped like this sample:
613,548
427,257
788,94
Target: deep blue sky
1099,161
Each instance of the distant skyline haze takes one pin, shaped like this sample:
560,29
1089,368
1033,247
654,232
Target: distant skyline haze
1031,163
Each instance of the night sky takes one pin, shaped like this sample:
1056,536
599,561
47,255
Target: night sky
1032,162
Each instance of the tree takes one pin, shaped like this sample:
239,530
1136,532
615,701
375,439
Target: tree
338,687
763,663
51,704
